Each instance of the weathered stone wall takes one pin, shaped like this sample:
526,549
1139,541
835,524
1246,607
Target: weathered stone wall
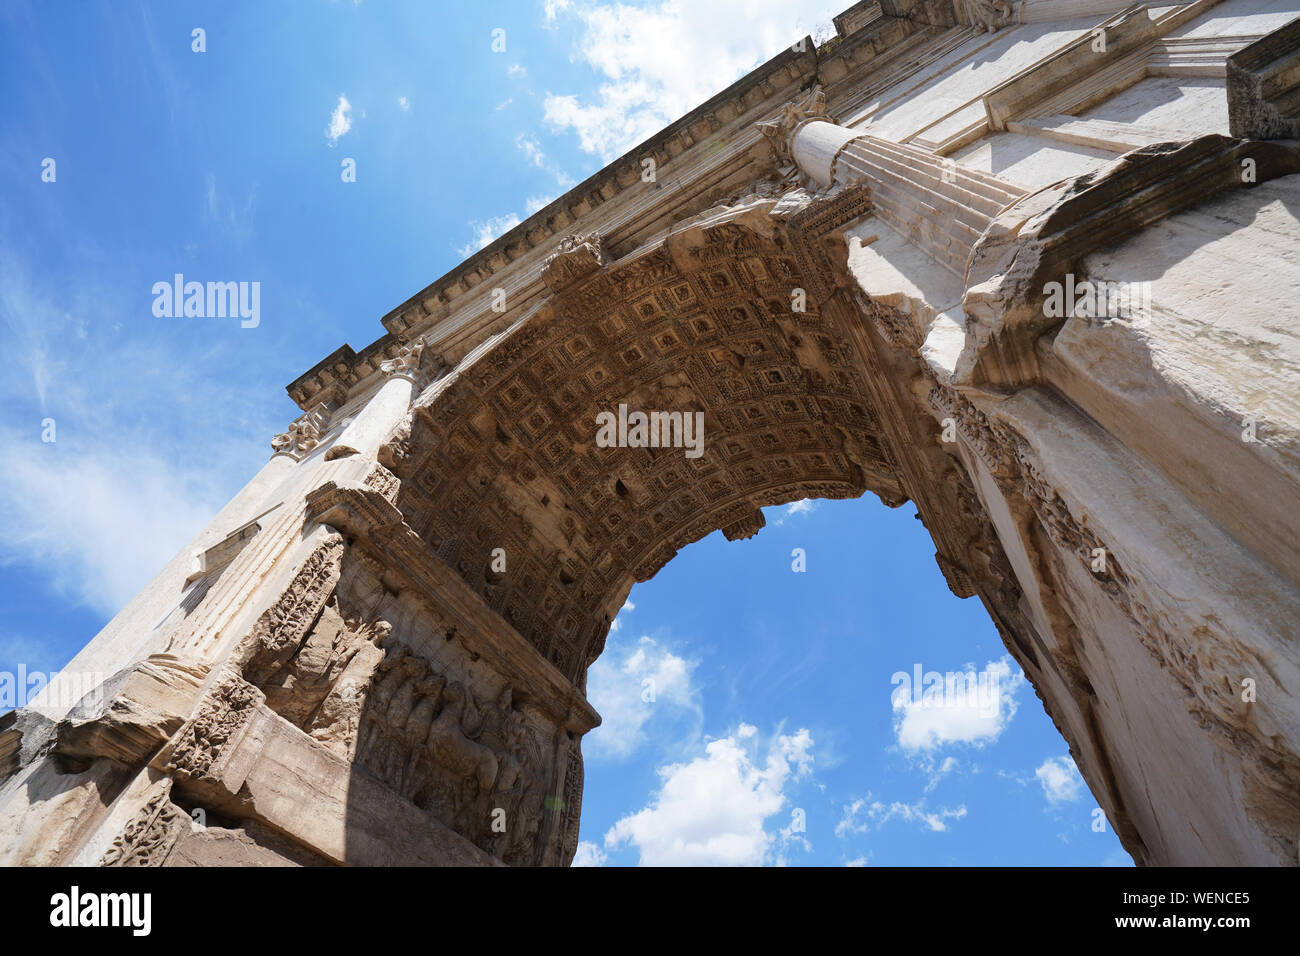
377,652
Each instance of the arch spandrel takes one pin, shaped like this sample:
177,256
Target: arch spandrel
1120,519
505,455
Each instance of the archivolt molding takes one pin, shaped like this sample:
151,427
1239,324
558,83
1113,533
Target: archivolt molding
571,803
1207,664
505,456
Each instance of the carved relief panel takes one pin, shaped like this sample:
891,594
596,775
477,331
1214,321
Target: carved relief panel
379,680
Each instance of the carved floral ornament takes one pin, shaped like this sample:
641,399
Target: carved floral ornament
809,108
417,362
990,16
406,362
148,838
576,257
304,433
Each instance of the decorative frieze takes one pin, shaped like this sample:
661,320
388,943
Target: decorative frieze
993,449
214,728
578,257
382,480
149,837
282,626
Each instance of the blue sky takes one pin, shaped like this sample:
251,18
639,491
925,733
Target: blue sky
773,693
772,687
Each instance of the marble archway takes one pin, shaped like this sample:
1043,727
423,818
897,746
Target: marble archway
377,652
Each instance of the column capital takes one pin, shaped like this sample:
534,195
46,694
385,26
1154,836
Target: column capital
304,432
808,108
805,135
406,364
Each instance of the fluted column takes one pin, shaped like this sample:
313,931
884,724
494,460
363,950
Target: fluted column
816,144
939,206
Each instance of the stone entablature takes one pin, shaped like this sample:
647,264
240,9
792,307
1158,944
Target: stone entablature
382,656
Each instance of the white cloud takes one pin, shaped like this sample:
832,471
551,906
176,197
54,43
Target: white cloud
801,507
1061,780
233,221
139,464
340,121
937,773
932,717
516,71
712,810
553,8
485,232
865,813
102,520
657,62
857,861
532,149
633,687
404,103
504,103
589,855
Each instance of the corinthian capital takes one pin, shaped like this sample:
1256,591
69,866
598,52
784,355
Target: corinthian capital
809,108
406,363
304,433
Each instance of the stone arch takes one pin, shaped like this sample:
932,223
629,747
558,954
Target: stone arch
503,452
1099,486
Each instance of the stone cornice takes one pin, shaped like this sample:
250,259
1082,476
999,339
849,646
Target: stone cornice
448,313
673,141
380,529
728,112
1262,85
1063,68
1048,233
